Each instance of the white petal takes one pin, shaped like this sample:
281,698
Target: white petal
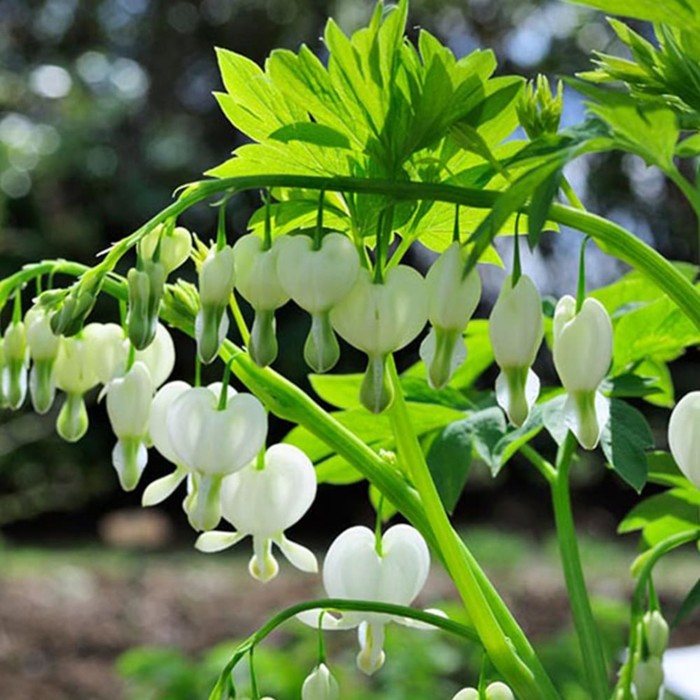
684,436
217,540
371,657
129,401
419,624
406,564
329,622
158,428
297,555
159,356
160,489
263,565
586,414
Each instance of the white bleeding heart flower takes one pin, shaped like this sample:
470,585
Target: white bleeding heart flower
355,570
211,440
320,685
215,287
43,347
317,280
258,282
452,299
128,407
379,319
516,329
263,500
582,354
75,373
174,246
14,370
684,436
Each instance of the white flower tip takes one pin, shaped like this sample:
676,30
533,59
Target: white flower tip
369,663
216,541
298,556
263,568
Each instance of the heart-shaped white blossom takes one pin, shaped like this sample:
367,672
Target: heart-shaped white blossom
684,436
353,569
263,500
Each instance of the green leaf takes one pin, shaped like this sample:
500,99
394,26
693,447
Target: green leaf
339,390
689,605
664,515
625,440
310,132
658,330
678,13
663,470
689,148
541,201
449,459
630,385
553,418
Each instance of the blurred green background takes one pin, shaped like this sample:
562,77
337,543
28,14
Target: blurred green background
105,108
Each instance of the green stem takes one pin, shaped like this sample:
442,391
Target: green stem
336,604
611,237
539,462
644,566
500,649
690,192
571,195
589,639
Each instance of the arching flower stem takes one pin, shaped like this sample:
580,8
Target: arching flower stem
335,604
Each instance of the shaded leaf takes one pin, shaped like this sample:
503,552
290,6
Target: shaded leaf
449,459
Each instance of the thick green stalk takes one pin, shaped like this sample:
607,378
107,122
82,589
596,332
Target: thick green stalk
501,650
589,639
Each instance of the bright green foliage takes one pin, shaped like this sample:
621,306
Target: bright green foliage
678,13
667,75
380,108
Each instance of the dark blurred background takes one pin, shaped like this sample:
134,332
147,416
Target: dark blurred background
106,107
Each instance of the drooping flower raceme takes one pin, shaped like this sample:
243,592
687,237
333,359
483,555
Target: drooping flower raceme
582,355
207,438
258,282
379,318
684,436
452,299
320,685
215,286
516,329
263,500
354,569
43,347
317,280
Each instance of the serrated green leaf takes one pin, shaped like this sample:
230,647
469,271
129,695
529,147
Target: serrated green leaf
625,440
688,606
449,459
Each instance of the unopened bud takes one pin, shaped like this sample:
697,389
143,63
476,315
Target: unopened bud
656,633
320,685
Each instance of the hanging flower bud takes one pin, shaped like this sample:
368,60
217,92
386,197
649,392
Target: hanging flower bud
128,407
146,285
582,355
3,398
43,347
466,694
173,246
263,500
215,288
317,280
74,310
357,567
499,691
14,371
75,373
516,329
684,436
656,632
452,299
258,282
379,319
320,685
648,678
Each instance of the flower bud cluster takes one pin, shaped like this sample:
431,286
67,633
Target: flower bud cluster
648,675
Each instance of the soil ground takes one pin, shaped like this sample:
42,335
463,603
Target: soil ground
67,614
